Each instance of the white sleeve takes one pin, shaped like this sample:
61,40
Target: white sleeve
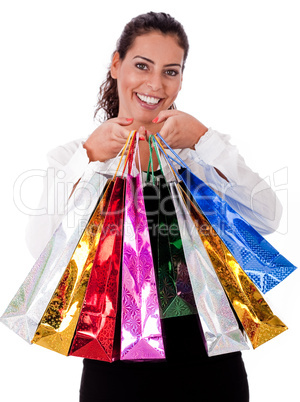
66,166
245,191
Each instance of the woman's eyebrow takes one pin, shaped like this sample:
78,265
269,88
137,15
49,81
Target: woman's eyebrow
152,62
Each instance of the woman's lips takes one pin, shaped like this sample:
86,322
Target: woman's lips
148,102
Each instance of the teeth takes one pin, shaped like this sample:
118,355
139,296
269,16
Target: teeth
148,99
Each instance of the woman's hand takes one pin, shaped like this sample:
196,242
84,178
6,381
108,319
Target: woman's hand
108,139
180,130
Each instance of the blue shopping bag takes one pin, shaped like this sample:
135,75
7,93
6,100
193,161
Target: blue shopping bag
258,258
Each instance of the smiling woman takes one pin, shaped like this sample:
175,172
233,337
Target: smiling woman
142,83
149,77
144,80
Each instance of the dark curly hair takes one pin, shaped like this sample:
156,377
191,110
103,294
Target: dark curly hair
108,99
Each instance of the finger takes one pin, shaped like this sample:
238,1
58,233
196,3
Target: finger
123,121
165,132
147,134
120,135
142,133
164,115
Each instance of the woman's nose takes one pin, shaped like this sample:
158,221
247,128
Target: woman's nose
154,82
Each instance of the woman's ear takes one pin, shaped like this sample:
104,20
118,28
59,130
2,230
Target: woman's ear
115,65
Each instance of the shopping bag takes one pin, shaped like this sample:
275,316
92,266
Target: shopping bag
95,335
175,289
258,258
221,330
95,332
141,334
58,323
254,313
151,201
26,309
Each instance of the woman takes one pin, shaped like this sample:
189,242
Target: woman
142,84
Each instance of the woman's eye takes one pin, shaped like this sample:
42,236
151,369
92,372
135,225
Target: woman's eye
141,66
172,73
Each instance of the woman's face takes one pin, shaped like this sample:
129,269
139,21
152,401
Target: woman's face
149,77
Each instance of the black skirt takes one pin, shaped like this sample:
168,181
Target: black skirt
186,374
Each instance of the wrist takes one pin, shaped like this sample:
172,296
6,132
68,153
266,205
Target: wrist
89,151
200,130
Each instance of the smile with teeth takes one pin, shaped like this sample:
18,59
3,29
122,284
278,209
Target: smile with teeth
150,100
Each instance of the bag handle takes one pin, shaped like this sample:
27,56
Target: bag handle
182,163
168,160
131,154
155,139
130,141
152,145
137,152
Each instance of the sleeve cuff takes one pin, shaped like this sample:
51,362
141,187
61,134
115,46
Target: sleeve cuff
77,164
210,146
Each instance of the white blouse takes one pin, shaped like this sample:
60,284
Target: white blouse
245,190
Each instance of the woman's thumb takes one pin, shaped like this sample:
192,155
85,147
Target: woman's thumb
124,121
163,115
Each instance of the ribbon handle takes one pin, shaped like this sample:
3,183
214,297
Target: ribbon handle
167,158
129,155
157,140
151,141
182,163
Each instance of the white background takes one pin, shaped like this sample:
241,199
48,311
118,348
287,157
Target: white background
241,78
